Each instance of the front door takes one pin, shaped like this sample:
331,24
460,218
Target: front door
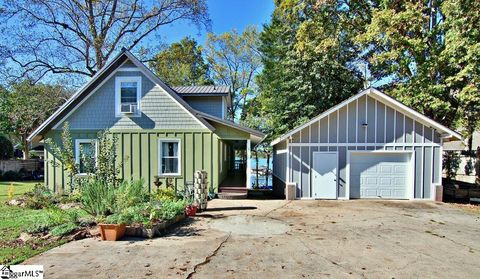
324,175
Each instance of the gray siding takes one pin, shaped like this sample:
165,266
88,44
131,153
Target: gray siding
212,105
280,157
343,131
158,109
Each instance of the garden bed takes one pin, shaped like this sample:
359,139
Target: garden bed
154,230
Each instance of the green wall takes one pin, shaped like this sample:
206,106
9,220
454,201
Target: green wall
199,151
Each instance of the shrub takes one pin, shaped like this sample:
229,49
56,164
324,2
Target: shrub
40,197
170,209
53,217
97,197
6,148
63,229
469,167
130,193
138,214
24,174
451,163
11,176
165,194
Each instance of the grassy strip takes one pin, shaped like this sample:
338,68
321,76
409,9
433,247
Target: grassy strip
15,220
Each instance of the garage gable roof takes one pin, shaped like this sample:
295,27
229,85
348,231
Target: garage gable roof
372,92
90,87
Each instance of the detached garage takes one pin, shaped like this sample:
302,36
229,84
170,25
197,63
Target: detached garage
369,146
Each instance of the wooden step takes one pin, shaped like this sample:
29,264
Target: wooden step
232,189
232,196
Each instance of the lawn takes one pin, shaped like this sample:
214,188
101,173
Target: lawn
13,221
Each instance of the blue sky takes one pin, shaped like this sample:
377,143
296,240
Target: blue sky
225,15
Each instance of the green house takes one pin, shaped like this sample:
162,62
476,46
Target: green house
163,132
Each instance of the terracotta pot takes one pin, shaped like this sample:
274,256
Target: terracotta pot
191,210
112,232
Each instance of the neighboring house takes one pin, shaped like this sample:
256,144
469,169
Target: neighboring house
369,146
162,131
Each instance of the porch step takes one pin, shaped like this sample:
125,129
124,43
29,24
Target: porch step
226,189
232,196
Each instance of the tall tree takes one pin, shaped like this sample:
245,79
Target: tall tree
25,106
309,59
234,61
182,63
428,51
462,56
70,36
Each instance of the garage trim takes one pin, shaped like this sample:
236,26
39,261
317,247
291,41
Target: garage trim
410,190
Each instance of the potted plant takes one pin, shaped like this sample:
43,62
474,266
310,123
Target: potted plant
113,227
191,210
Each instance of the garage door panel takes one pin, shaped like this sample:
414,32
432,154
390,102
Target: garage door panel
386,168
379,175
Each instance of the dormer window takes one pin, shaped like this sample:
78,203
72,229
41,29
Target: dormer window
127,96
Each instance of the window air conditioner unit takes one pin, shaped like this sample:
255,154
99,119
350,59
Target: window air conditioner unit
128,108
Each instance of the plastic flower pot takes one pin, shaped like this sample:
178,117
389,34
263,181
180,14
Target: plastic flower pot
191,210
112,232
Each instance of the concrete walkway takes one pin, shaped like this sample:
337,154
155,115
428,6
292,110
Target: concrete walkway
277,239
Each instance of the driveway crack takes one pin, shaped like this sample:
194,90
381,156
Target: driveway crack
280,207
209,257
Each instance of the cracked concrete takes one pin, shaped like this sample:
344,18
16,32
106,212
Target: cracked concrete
346,239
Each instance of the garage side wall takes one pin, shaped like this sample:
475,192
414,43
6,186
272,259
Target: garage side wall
279,168
364,124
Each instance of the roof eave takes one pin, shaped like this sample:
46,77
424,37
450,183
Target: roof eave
383,96
40,129
252,132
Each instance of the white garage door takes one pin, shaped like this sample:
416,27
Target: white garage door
379,175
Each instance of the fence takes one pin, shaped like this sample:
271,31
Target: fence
29,165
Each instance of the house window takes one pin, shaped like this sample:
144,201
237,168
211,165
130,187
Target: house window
85,155
127,96
169,157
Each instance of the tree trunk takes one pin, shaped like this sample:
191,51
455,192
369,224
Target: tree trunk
25,147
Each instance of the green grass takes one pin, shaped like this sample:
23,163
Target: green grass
13,221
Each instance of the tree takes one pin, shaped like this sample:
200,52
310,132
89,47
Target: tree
70,36
462,55
309,60
182,63
6,148
428,51
25,106
234,61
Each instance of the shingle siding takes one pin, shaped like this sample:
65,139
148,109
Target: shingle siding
158,109
210,105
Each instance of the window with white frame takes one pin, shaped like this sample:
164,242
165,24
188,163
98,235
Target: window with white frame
169,157
127,95
85,155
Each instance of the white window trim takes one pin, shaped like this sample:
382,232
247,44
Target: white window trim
118,82
160,156
77,150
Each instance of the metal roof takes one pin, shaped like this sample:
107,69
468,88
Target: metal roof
203,89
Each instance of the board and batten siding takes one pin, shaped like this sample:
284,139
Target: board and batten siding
139,151
343,130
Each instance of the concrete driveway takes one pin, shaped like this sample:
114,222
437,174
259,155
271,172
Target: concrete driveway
273,239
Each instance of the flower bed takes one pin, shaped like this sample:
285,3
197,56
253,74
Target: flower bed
153,230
